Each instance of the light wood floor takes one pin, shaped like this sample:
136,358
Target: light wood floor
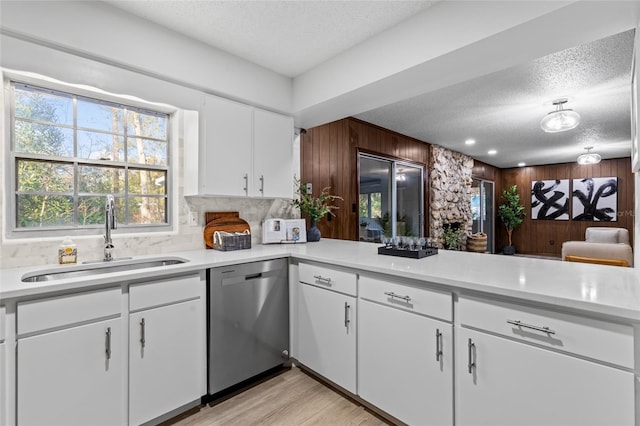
291,398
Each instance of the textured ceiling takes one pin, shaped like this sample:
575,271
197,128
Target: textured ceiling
502,111
289,37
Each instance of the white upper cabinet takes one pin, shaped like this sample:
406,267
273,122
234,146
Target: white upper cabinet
227,155
273,155
246,152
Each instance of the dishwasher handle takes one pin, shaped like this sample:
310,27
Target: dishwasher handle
253,276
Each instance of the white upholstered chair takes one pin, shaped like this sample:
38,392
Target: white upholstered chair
602,245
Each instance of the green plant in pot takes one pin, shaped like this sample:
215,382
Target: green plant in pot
511,213
315,208
451,237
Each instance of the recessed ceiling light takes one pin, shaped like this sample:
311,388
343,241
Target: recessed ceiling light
492,152
521,164
470,142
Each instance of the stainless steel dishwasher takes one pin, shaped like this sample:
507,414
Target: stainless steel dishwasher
248,321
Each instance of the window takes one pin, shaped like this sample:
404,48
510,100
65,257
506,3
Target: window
69,151
371,205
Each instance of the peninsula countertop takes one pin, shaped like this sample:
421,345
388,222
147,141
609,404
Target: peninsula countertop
600,290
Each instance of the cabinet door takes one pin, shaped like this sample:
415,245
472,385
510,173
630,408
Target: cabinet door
405,364
166,366
72,376
227,148
3,382
327,334
273,155
513,383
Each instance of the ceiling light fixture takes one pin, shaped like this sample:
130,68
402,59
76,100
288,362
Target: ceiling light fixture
470,142
521,164
560,119
589,157
492,152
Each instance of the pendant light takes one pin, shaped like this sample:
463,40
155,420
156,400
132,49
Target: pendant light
589,157
561,119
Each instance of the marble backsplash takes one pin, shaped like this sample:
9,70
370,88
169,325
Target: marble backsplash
34,252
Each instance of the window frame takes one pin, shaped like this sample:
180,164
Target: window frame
10,206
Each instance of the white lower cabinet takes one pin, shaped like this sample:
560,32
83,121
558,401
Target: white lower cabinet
405,364
165,369
326,334
72,376
166,347
3,381
505,382
3,374
70,360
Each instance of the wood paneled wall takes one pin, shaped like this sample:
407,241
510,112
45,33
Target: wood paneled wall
329,157
545,237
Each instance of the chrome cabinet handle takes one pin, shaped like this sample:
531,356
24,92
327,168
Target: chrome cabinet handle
246,184
262,184
142,338
472,363
322,279
346,315
397,296
438,345
107,343
518,323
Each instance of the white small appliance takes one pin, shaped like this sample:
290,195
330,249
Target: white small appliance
284,231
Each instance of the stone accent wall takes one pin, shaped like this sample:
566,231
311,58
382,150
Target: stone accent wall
450,192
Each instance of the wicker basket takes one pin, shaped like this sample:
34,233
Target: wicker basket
477,242
227,241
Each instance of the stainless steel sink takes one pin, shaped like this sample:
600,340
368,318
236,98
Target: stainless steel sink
97,269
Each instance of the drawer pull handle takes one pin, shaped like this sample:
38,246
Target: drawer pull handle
143,341
322,279
518,323
438,345
107,343
246,184
472,363
392,295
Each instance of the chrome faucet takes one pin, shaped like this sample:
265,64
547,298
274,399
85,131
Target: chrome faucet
109,224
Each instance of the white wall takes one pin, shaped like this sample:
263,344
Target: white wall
40,37
39,251
95,30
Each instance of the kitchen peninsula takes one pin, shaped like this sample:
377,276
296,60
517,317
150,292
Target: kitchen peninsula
512,328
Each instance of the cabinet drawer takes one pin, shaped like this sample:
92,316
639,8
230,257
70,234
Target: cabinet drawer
429,302
322,276
55,312
164,292
597,339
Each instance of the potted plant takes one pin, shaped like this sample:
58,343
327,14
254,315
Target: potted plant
451,237
511,213
314,207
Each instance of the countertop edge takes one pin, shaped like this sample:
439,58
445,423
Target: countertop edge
356,256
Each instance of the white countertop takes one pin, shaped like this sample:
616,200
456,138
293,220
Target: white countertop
601,290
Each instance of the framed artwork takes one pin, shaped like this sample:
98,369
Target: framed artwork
550,199
635,144
595,199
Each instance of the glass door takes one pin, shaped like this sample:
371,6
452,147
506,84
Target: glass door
482,209
376,196
409,190
391,198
